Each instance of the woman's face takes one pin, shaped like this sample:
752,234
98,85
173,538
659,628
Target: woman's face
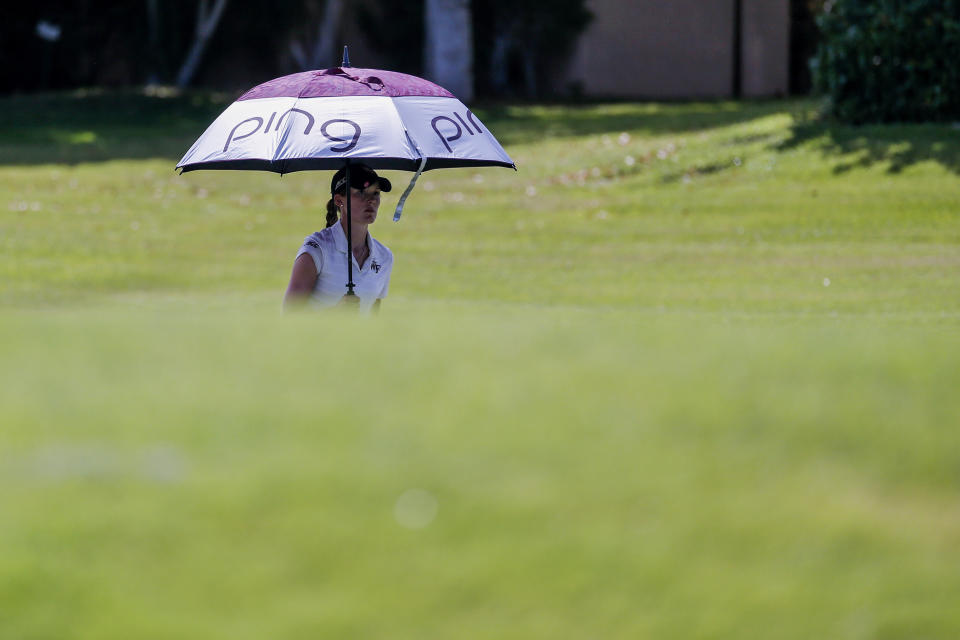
363,205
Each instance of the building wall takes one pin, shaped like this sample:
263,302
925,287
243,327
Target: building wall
675,49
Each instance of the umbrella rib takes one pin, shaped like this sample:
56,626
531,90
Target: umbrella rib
282,164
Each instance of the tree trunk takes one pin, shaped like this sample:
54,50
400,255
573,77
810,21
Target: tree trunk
448,52
499,73
154,62
206,26
530,72
323,55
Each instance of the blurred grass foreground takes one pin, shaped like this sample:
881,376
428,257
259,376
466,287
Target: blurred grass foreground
691,372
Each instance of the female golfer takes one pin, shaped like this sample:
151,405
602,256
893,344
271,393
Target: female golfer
320,268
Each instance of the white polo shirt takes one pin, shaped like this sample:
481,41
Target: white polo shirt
328,248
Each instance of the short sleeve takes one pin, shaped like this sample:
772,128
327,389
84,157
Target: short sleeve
312,247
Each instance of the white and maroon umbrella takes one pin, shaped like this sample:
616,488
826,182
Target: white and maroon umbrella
325,119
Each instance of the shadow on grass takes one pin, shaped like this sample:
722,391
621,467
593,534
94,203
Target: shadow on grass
699,171
98,126
895,146
521,124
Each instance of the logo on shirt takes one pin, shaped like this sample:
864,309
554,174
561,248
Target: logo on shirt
375,266
313,243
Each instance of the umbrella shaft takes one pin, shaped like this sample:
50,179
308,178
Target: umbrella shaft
349,234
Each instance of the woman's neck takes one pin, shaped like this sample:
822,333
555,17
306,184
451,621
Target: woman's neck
359,234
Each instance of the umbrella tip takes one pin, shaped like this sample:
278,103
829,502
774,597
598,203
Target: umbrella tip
346,57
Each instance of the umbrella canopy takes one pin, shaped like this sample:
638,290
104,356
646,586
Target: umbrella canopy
320,119
329,118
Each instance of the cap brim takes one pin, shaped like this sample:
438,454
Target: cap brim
358,182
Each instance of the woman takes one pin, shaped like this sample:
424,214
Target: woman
320,268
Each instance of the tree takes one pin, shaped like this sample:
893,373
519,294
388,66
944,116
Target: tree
154,56
389,27
207,20
521,43
890,61
322,53
448,51
804,39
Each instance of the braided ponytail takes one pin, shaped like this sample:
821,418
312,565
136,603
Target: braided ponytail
331,213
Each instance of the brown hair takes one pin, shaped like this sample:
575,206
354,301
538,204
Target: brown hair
331,213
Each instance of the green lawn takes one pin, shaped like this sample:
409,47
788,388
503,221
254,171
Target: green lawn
691,372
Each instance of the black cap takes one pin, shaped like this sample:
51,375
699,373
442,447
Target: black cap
361,177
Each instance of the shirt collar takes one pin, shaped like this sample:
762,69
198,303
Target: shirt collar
340,238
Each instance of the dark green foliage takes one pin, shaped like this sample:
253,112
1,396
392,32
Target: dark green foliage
890,60
100,42
804,39
521,44
106,43
395,30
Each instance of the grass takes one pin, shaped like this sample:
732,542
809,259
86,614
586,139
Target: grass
689,373
736,213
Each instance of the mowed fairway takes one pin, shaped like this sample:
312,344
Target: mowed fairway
692,372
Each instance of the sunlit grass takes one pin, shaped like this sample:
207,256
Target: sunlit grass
608,473
690,372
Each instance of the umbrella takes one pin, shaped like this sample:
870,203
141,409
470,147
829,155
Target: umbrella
326,119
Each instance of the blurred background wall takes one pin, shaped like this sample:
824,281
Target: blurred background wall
684,49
